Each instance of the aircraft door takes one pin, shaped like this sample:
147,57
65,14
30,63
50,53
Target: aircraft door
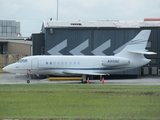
35,64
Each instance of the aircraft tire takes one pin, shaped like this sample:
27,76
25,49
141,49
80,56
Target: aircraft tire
28,81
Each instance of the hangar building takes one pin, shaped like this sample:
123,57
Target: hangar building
12,45
103,37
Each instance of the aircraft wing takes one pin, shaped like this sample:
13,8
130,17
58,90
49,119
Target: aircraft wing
82,73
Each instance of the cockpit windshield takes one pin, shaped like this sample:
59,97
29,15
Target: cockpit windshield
22,61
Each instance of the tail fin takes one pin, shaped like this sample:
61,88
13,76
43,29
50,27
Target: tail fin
136,45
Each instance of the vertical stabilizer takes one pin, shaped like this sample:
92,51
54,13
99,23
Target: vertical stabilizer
136,45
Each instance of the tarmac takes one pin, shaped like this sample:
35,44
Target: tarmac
8,78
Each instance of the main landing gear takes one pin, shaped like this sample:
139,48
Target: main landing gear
84,79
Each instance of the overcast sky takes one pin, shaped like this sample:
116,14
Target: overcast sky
31,13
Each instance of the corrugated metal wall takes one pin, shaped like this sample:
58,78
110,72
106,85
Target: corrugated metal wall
94,38
153,45
38,44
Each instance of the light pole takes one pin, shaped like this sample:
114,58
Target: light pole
57,10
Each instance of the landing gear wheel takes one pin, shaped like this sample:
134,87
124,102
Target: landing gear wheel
28,81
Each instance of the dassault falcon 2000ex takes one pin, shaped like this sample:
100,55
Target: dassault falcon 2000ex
132,56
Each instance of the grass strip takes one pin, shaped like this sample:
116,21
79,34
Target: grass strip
77,101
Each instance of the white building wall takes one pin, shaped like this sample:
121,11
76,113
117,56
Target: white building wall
9,28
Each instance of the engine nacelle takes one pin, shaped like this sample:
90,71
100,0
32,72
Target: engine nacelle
113,61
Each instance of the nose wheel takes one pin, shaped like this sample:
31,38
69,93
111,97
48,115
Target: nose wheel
29,76
28,81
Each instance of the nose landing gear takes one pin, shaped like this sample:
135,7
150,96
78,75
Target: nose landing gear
28,81
29,76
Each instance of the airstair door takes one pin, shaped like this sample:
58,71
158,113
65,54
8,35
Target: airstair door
35,65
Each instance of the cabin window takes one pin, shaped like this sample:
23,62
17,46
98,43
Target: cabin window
55,62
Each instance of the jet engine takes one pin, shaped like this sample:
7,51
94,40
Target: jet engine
112,61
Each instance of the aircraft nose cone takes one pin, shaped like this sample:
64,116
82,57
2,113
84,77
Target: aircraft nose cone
5,69
8,68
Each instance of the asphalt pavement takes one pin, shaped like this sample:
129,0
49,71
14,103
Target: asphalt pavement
8,78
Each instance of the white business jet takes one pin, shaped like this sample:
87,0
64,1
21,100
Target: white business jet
132,56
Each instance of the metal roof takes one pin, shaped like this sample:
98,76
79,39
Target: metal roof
100,23
126,24
149,24
17,41
14,38
57,24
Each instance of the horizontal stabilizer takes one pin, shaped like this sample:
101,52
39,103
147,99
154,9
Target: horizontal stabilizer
142,52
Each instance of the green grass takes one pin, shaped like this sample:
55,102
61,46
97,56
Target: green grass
79,101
